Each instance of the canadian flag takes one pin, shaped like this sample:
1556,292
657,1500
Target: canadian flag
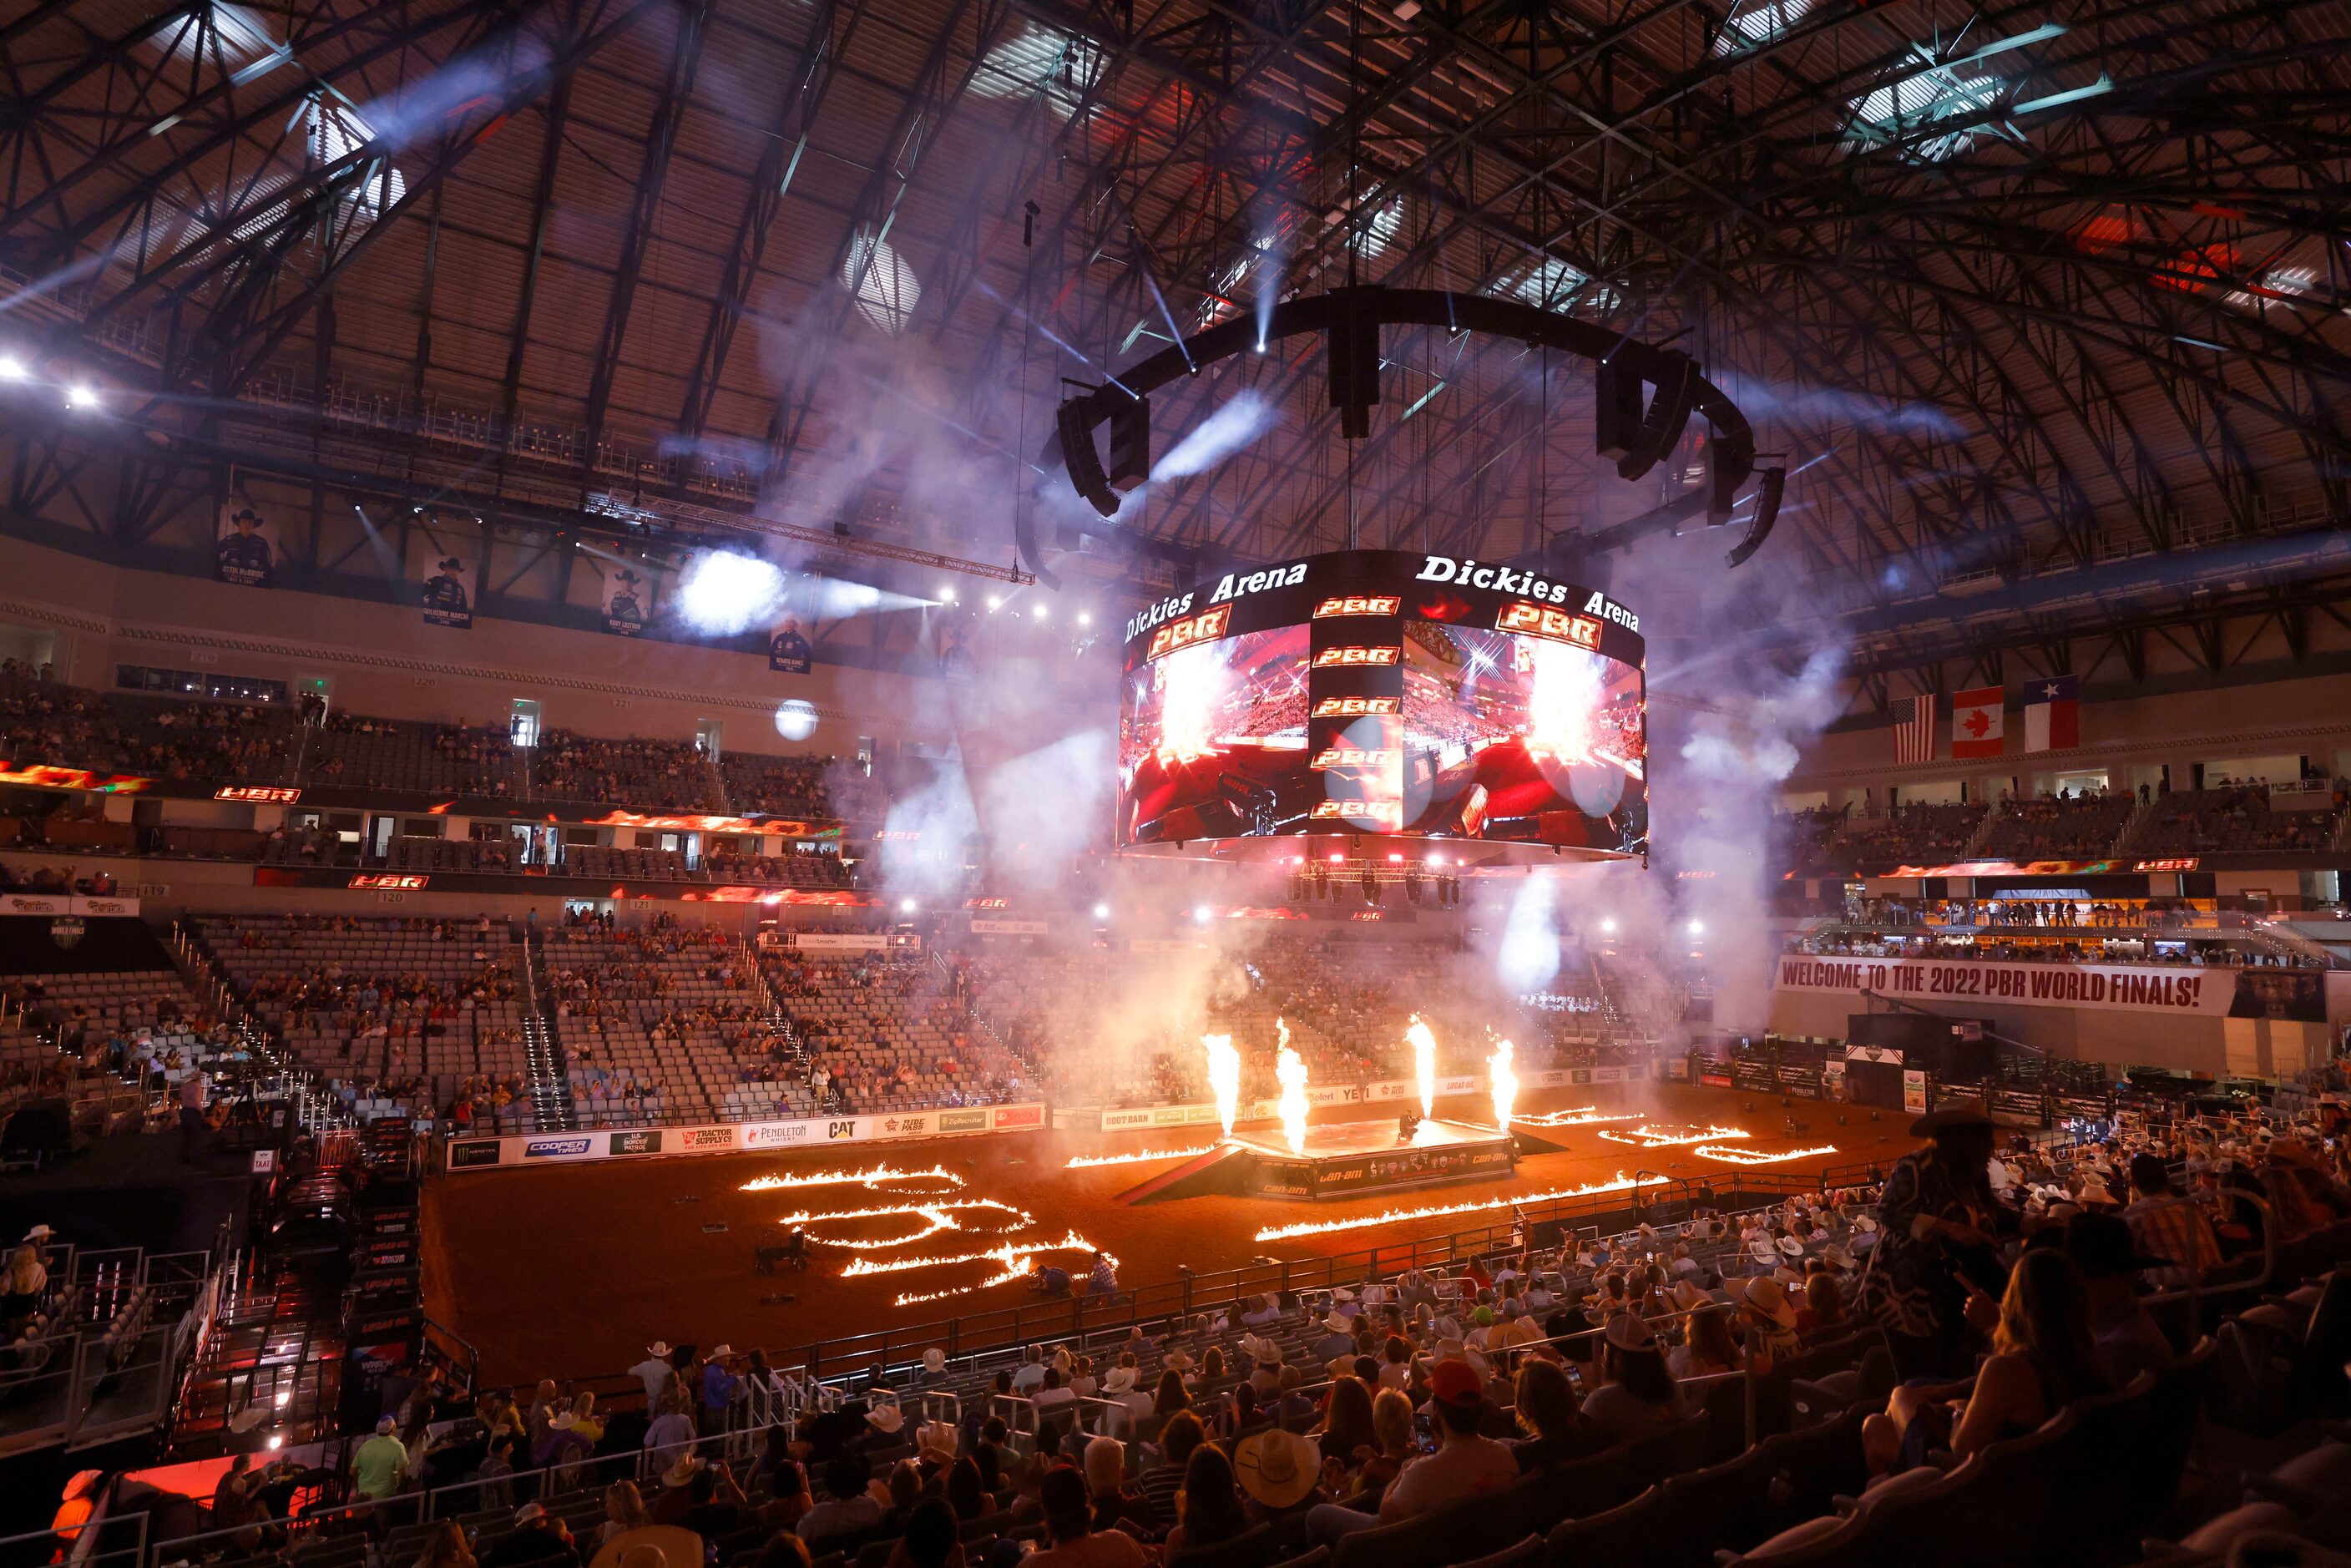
1977,719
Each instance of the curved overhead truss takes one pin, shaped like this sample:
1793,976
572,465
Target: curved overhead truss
1634,430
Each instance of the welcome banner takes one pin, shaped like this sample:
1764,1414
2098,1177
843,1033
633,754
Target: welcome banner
2111,987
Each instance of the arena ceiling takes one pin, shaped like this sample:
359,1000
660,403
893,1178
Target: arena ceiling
2044,303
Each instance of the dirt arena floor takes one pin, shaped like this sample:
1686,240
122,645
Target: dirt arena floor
570,1272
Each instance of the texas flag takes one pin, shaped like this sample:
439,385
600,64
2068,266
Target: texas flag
2053,714
1977,720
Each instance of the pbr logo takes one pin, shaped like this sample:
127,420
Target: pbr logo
553,1148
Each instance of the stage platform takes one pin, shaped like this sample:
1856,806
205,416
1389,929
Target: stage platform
1350,1159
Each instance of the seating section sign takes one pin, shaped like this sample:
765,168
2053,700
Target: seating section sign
735,1137
2179,991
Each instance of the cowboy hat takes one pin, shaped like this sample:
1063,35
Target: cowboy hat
1688,1297
563,1420
530,1513
935,1360
1762,1249
1337,1323
1343,1295
1787,1276
624,576
659,1349
1962,1113
39,1233
1118,1380
1835,1256
681,1473
1866,1225
451,563
719,1351
1766,1298
1264,1352
1178,1359
1627,1333
885,1418
1276,1468
1791,1246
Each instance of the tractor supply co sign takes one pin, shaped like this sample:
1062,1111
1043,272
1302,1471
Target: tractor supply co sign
2139,988
50,904
731,1137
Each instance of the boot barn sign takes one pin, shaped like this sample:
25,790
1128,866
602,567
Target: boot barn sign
2177,990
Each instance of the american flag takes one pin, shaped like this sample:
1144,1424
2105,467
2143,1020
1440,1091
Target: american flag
1914,732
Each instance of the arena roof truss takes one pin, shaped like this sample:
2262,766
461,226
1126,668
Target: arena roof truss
2043,304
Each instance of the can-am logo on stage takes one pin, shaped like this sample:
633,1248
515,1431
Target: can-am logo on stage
706,1138
543,1148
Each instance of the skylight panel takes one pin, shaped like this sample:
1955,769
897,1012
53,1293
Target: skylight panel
1757,23
885,286
1907,111
1039,61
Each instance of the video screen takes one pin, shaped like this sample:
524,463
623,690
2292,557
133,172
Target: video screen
1522,738
1212,740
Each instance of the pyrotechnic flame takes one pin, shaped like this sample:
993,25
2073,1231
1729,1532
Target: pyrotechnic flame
1139,1156
1423,1063
937,1215
1647,1137
1581,1116
1757,1157
1438,1211
842,1178
1506,1082
1289,1072
1224,1076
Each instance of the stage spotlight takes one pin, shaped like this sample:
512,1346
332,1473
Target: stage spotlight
1084,619
1608,928
1201,915
1697,929
1039,611
994,604
1338,860
1101,911
795,719
905,906
947,596
723,593
80,397
12,369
